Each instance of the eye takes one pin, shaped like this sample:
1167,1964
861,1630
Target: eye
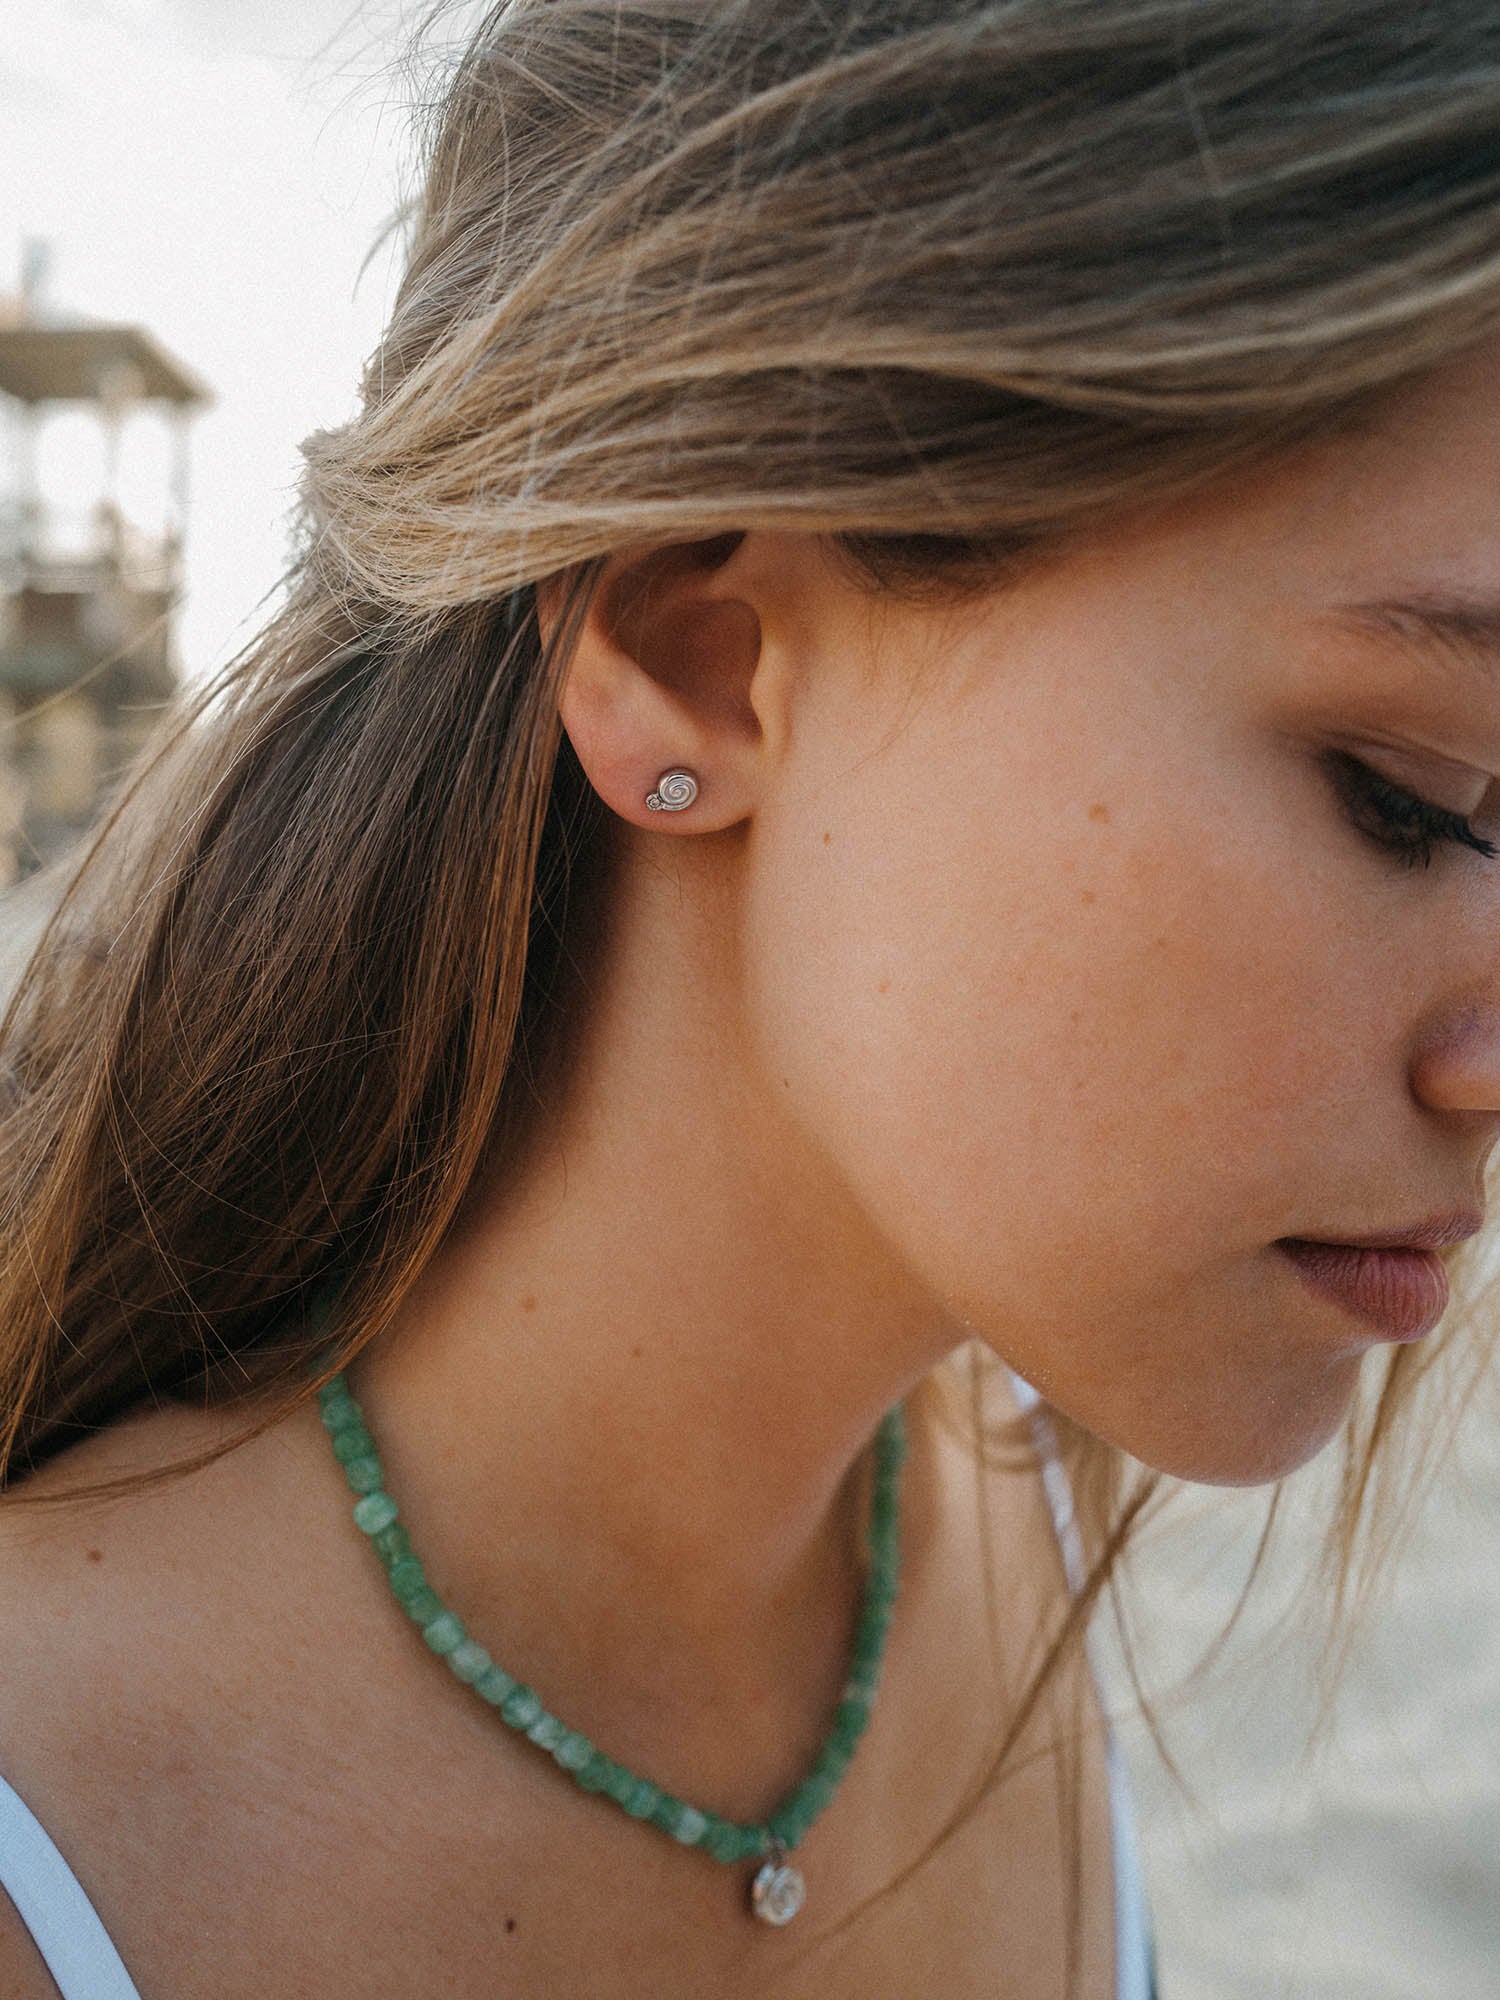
1404,825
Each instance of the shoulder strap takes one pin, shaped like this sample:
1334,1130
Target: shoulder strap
1135,1977
62,1921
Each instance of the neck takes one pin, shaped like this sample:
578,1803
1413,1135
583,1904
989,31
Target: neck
627,1407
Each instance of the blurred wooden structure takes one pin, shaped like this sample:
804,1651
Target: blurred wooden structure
87,596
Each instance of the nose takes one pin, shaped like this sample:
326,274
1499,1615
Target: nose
1456,1063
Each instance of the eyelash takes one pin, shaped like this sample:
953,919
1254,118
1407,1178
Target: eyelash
1406,826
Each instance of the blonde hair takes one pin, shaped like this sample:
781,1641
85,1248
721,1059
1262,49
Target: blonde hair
942,280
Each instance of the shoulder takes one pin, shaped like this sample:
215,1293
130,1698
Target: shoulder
161,1672
127,1621
99,1602
133,1511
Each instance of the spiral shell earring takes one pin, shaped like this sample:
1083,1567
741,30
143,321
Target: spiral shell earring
675,792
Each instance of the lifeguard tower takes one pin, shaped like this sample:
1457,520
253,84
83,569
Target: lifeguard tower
87,594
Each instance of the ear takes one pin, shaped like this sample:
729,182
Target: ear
663,677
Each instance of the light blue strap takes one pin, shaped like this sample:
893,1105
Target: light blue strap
62,1921
1134,1954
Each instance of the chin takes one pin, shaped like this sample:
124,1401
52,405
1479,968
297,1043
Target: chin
1246,1410
1248,1440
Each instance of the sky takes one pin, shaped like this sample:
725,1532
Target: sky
217,171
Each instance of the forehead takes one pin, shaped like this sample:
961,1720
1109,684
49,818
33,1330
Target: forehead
1430,448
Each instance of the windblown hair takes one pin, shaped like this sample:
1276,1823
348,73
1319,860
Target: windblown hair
942,280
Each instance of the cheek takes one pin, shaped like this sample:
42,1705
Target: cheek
1075,1035
1068,1074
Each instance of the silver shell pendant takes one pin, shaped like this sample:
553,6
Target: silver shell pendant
778,1891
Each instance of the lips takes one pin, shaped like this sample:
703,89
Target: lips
1435,1234
1402,1292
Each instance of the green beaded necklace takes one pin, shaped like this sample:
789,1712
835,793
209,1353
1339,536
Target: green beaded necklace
777,1889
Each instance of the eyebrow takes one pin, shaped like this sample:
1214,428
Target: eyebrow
1441,625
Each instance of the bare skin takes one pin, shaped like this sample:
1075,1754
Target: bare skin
268,1786
1019,973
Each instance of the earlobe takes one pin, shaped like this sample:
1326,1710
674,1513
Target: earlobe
657,699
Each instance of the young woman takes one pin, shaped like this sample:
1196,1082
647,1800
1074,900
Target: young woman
882,751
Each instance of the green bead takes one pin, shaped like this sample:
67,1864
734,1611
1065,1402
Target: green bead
341,1411
620,1785
832,1761
732,1842
574,1751
689,1826
444,1632
422,1606
353,1442
667,1812
596,1773
850,1718
721,1840
364,1475
877,1619
374,1512
407,1577
521,1707
469,1660
869,1650
548,1732
644,1800
494,1685
391,1543
818,1791
834,1754
795,1815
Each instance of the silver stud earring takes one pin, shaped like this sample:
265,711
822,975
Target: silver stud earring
675,792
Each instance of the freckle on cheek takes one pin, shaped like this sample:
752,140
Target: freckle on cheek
528,1304
1088,896
1100,812
884,986
826,838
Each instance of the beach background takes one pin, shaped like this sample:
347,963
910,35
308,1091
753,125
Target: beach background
217,170
1367,1868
